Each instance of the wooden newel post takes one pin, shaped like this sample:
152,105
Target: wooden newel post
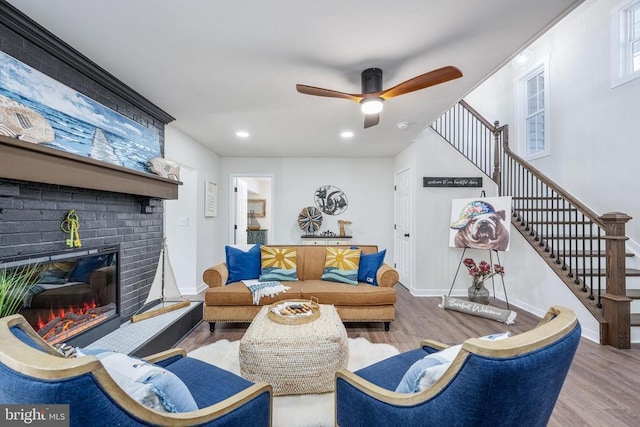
496,153
616,306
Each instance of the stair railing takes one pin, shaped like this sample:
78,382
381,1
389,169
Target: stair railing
582,247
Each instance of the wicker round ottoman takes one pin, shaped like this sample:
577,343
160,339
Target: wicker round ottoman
295,359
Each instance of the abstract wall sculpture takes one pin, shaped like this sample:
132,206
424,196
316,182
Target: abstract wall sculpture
331,200
310,219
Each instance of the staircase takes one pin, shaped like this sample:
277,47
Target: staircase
586,250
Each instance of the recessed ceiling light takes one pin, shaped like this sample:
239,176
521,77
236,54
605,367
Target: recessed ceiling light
346,134
242,134
402,125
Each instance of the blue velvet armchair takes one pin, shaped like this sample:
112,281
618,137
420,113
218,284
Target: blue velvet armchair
32,372
511,382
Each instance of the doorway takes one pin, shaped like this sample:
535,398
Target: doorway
252,209
402,230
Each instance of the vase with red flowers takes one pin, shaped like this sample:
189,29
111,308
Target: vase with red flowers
479,273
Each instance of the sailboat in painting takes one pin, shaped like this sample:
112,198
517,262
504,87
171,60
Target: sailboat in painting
164,295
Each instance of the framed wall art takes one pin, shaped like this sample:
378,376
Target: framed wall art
38,109
257,207
210,199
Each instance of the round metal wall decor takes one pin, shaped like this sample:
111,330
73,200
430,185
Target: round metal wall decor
331,200
310,219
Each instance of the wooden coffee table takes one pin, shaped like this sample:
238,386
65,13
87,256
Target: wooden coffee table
295,359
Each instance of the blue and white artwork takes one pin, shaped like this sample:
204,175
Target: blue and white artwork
39,109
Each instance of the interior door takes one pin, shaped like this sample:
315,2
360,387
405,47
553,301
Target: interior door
402,237
240,226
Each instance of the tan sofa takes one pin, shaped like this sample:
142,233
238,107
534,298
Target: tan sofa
354,303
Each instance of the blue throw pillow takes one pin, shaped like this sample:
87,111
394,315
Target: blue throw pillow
369,265
242,265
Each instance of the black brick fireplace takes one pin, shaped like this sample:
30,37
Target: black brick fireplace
32,209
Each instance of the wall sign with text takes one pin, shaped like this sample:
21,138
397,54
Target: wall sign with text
446,181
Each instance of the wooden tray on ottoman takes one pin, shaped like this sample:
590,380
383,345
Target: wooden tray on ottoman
307,311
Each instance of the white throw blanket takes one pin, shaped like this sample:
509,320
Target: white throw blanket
264,289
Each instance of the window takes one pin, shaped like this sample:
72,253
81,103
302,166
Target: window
532,100
625,42
534,117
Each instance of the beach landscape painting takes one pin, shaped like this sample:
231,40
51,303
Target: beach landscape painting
38,109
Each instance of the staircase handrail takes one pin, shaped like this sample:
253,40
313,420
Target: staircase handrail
483,144
547,181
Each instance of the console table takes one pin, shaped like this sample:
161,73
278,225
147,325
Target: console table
257,236
310,239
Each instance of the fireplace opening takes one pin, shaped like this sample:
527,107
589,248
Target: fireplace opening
76,295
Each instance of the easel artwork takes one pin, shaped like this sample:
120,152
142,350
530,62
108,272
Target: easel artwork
481,223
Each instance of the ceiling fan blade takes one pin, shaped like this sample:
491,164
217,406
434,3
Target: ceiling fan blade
422,81
371,120
318,91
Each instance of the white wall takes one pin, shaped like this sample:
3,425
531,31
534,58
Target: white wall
367,183
435,263
593,134
191,238
593,128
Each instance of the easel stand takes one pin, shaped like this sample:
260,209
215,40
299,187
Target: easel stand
493,282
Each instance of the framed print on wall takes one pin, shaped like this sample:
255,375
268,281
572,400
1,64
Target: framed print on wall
210,199
257,207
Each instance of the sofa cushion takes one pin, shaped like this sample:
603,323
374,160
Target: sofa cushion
343,294
341,265
238,294
242,265
369,265
278,264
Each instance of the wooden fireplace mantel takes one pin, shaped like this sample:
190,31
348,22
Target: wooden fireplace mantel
26,161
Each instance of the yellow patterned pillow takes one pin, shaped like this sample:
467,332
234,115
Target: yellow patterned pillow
341,265
278,264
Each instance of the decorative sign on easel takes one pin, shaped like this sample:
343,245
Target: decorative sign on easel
446,181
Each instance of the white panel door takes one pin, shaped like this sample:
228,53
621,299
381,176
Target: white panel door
240,226
402,237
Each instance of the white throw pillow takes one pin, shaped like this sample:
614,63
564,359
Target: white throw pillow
426,371
149,384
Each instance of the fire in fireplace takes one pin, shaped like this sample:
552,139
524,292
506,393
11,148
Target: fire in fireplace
76,295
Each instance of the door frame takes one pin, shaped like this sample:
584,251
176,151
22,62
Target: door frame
271,206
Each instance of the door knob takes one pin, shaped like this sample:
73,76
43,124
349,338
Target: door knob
406,234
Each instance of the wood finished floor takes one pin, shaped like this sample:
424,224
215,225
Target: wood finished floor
602,388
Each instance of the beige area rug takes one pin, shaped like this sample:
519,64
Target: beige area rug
310,410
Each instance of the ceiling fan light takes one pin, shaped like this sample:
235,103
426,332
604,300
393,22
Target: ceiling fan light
371,105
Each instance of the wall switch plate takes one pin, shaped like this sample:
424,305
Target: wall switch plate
183,221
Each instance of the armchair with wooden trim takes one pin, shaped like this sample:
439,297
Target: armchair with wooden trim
33,373
512,382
